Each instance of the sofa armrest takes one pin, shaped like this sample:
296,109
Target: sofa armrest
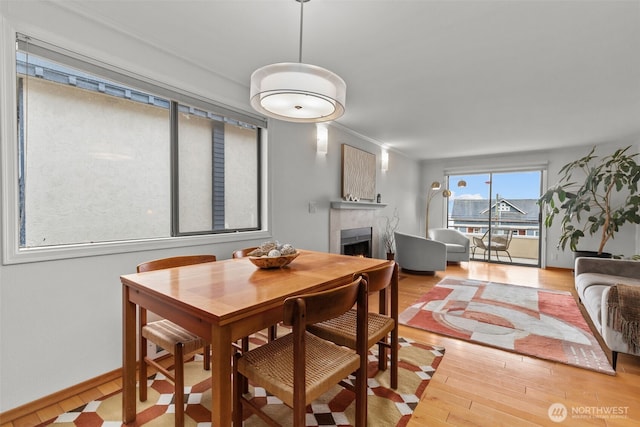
613,267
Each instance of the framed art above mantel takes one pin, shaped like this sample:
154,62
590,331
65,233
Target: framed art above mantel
358,173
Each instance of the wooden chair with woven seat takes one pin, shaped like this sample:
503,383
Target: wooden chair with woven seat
174,339
299,367
342,329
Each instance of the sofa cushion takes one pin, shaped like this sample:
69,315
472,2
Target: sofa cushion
592,300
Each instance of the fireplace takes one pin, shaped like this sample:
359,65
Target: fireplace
354,216
356,241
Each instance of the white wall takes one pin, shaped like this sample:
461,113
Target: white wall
624,242
60,321
301,176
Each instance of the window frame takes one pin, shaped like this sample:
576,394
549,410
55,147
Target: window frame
9,156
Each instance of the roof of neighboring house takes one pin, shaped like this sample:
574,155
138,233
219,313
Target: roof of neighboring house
517,210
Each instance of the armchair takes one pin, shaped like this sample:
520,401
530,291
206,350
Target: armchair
420,255
500,241
457,243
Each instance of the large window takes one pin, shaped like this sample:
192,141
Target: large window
105,157
494,204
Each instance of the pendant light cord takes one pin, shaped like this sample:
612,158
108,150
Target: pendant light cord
301,15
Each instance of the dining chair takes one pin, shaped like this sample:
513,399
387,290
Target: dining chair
299,367
174,339
342,329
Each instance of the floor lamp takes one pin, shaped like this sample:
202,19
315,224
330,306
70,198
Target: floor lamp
436,188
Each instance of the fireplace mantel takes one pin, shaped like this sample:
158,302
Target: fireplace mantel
341,204
344,215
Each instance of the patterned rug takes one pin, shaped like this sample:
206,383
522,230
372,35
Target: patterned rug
542,323
386,407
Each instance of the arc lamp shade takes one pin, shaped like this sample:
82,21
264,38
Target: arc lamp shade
298,92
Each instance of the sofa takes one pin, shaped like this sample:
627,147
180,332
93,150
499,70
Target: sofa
457,243
417,254
594,279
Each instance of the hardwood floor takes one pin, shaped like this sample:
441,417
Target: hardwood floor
481,386
477,385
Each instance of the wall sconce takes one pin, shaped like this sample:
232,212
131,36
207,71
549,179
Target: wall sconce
436,187
322,138
384,161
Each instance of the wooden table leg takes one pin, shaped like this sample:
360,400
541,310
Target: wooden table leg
128,358
221,377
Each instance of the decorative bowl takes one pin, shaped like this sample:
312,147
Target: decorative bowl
274,261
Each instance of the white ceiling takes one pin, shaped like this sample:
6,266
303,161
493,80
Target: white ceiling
431,79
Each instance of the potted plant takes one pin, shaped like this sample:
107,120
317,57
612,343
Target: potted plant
388,236
594,195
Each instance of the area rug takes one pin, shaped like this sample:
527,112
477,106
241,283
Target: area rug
536,322
386,407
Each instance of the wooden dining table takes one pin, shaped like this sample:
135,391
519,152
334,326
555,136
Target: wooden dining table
222,302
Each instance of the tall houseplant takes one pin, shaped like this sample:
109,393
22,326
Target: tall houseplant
594,195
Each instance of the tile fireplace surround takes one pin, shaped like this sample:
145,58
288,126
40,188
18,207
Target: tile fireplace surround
342,219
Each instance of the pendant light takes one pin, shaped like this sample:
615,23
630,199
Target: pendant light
297,92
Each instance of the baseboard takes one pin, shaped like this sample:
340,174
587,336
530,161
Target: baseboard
57,397
52,399
558,268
